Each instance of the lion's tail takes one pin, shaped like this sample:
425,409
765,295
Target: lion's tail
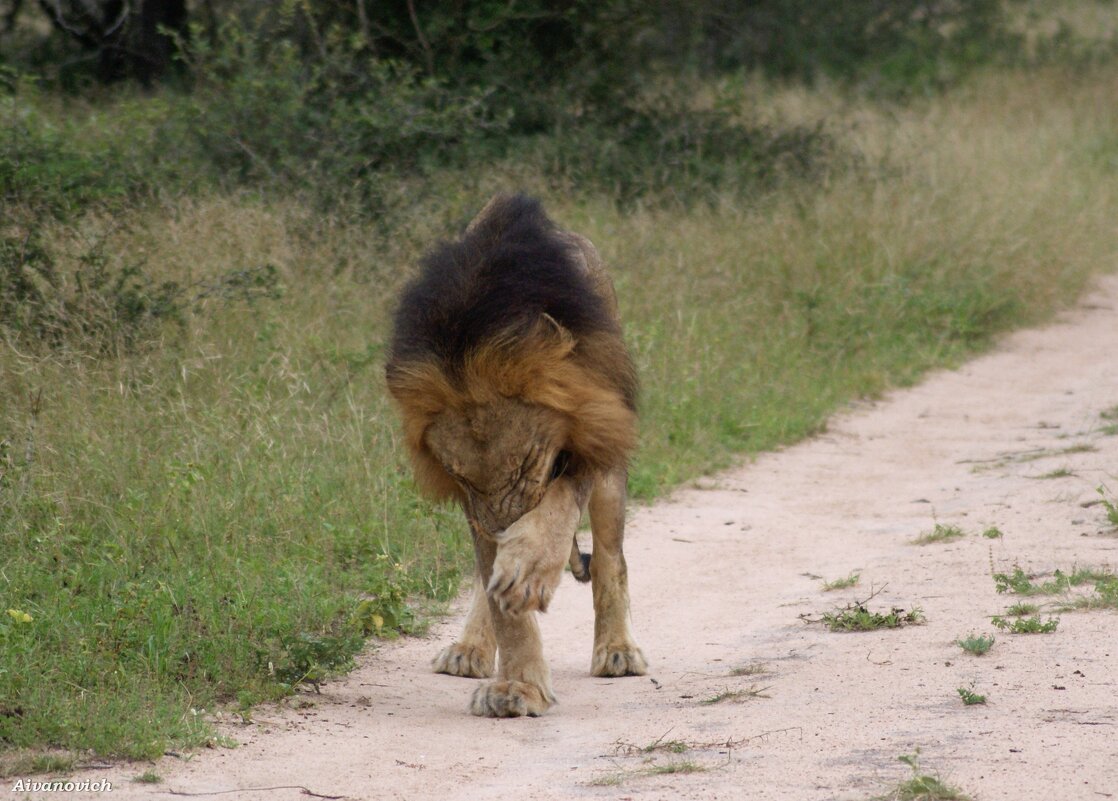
580,562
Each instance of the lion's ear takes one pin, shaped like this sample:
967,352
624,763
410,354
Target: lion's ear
552,328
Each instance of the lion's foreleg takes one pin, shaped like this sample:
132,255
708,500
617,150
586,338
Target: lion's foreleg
473,656
532,551
521,568
523,686
615,651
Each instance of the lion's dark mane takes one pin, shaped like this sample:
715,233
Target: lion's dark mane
506,272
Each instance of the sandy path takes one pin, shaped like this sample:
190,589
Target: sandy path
721,573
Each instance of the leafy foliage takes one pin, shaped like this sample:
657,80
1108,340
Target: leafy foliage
859,618
970,697
976,644
1026,625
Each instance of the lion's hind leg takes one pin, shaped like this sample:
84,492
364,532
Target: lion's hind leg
474,655
615,651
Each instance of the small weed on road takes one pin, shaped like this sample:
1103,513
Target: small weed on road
976,644
1109,504
735,695
842,583
970,697
922,786
858,618
940,533
1026,625
752,669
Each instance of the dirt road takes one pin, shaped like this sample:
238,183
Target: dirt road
721,574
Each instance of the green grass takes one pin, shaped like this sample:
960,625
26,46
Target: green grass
921,786
976,644
1110,505
684,766
1021,583
752,669
666,769
1062,472
219,509
735,696
993,533
1026,625
858,618
940,533
1105,596
148,777
23,762
842,583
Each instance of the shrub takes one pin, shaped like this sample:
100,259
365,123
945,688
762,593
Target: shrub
103,304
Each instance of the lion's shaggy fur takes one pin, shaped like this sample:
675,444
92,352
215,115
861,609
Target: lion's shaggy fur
513,309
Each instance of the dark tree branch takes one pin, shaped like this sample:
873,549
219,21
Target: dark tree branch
10,16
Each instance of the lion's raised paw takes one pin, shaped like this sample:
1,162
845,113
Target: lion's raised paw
510,699
462,659
524,576
619,660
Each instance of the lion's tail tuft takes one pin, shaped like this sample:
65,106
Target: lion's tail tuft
580,563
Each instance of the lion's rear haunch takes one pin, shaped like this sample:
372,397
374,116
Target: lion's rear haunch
514,309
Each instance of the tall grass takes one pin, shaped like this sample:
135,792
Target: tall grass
226,511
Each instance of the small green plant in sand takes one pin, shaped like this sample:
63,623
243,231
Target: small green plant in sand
752,669
1021,583
940,533
856,616
685,766
993,533
842,583
148,777
922,786
735,695
859,618
1026,625
1104,597
619,777
1062,472
1110,427
976,644
1109,504
1022,609
970,697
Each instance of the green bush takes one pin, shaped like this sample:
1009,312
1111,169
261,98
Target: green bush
103,304
669,150
260,111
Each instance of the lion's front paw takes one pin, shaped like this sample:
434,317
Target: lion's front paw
524,578
510,699
462,659
618,660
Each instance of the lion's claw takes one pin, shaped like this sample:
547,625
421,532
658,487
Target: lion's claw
461,659
510,699
618,660
523,580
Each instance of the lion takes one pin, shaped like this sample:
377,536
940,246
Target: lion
518,402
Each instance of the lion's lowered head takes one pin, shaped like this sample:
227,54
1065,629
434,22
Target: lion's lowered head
508,366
